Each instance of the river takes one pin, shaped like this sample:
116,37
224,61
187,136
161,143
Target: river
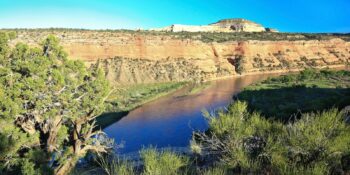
170,120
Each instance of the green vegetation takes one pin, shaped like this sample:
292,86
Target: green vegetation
162,163
196,88
111,165
210,36
239,64
48,104
318,143
311,90
241,142
128,97
125,98
152,162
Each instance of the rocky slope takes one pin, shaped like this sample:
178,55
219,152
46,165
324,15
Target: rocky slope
143,57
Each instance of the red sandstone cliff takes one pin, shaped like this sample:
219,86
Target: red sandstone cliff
131,57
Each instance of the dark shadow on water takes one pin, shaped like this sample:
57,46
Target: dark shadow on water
107,119
287,103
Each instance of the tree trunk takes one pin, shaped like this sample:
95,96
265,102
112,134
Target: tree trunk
51,140
76,138
51,133
79,146
66,166
69,164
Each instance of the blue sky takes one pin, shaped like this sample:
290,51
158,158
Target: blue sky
285,15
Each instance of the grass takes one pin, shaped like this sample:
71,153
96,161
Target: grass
198,87
215,171
163,162
111,165
290,95
125,98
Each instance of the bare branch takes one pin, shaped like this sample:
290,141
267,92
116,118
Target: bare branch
60,91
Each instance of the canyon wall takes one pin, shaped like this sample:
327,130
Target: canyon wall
131,57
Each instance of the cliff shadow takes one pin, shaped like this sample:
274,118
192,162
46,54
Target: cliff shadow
107,119
287,104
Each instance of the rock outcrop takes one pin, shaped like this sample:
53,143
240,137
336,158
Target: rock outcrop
147,57
226,25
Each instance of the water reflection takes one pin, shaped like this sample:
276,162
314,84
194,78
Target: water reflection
170,121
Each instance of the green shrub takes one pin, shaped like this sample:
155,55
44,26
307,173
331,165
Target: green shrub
239,64
111,165
27,168
215,171
315,144
163,162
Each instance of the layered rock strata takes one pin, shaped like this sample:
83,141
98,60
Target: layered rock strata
131,57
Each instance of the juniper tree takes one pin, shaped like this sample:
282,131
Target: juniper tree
48,104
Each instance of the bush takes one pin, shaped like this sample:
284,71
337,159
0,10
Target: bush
318,143
307,74
111,165
239,64
215,171
163,162
28,168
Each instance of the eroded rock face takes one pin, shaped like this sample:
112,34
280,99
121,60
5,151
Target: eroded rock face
144,58
132,71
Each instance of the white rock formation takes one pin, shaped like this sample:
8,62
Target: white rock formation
226,25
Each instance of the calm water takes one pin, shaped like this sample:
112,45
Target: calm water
170,120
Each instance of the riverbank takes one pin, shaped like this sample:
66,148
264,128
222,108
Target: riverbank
170,120
126,98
